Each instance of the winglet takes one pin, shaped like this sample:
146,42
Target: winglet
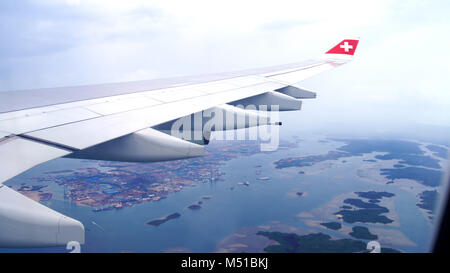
346,47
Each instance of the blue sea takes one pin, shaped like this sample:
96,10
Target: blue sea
231,207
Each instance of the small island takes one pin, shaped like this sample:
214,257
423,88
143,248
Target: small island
359,232
428,202
374,194
365,213
315,243
194,206
438,151
332,225
427,177
160,221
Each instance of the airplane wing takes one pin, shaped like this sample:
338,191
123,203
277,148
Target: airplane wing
131,121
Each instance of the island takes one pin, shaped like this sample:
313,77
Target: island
407,152
424,176
315,243
194,207
422,168
359,232
365,212
108,185
438,151
428,201
160,221
306,161
412,159
332,225
374,196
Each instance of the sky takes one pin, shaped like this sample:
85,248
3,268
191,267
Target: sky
399,76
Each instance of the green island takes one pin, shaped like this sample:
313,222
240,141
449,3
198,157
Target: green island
367,146
361,204
424,176
374,195
332,225
366,212
307,161
359,232
406,152
428,201
194,207
315,243
160,221
412,159
438,151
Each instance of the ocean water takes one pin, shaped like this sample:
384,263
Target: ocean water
231,207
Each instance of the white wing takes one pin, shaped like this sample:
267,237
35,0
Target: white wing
125,122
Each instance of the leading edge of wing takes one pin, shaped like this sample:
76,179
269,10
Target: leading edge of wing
17,100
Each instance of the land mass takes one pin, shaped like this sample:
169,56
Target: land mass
365,212
116,185
315,243
160,221
332,225
424,176
359,232
406,152
438,151
428,201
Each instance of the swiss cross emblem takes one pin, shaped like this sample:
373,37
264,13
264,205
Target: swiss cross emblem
346,46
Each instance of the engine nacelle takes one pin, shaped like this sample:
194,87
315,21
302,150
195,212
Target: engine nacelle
148,145
26,223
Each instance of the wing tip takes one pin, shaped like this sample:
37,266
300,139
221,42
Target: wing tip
345,47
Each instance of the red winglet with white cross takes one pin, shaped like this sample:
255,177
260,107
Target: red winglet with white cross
347,46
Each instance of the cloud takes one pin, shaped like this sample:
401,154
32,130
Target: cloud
401,64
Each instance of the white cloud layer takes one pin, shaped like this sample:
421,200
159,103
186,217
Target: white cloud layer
400,73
